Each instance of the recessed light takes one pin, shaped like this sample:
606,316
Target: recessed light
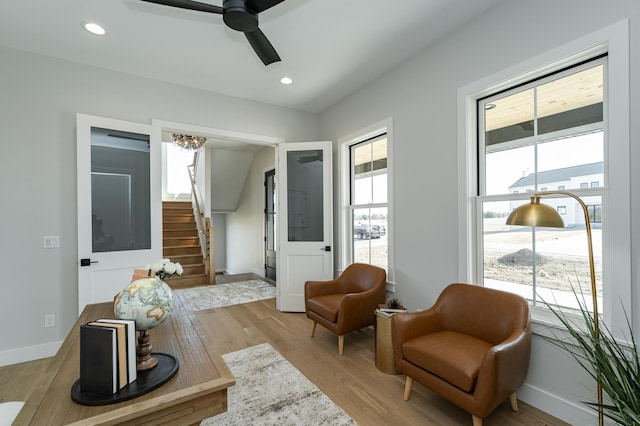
93,28
286,80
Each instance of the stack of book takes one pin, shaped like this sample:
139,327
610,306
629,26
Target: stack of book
385,311
107,355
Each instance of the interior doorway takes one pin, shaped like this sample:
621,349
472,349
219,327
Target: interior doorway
270,198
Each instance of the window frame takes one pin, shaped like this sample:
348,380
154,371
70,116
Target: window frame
613,41
345,227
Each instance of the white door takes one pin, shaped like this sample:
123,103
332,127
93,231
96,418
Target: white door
305,220
119,204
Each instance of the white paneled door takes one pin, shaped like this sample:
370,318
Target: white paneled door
305,220
119,204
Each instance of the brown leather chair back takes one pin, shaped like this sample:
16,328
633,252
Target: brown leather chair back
487,314
360,277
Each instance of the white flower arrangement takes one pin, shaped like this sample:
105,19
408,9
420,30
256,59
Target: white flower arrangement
164,268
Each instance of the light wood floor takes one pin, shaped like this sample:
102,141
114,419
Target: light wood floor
369,396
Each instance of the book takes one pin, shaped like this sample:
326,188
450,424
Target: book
130,327
98,359
384,308
121,350
383,314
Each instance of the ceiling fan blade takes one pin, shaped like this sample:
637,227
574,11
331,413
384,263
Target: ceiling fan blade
262,46
260,5
188,4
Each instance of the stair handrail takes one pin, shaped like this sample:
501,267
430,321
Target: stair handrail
205,230
195,203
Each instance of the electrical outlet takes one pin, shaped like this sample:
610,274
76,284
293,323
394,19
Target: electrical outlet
51,241
49,320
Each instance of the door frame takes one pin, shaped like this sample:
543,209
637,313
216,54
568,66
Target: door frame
219,135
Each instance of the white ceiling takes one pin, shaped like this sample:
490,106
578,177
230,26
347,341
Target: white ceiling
330,48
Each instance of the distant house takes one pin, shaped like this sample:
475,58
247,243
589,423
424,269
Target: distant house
567,179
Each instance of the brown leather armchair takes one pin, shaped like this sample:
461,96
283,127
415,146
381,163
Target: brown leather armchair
347,303
472,347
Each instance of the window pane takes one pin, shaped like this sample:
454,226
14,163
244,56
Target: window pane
546,262
120,191
369,166
570,102
177,173
370,236
509,118
304,195
507,170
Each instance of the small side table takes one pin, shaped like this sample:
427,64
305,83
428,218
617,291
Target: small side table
384,346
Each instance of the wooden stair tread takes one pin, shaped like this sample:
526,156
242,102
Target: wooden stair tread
180,235
184,246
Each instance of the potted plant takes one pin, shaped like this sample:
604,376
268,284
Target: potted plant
614,365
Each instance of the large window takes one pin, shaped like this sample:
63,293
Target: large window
368,203
566,144
547,133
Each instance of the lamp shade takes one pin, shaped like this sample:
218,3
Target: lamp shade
535,214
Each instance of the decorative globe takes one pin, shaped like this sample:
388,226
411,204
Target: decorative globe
147,301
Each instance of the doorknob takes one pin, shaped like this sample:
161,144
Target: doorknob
326,248
87,262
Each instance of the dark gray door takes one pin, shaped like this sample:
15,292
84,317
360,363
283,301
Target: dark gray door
270,224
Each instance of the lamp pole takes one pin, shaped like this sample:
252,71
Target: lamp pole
533,215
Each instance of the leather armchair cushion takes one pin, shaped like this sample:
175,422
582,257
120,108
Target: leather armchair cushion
326,306
453,356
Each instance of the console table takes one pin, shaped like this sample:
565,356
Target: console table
196,392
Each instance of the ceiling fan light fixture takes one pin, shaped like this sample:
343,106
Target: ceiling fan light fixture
286,80
94,28
188,142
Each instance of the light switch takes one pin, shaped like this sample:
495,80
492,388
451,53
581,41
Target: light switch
51,241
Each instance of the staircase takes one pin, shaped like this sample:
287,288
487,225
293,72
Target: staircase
181,244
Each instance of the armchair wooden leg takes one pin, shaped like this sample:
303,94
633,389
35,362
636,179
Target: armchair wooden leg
514,401
313,330
407,388
477,421
340,344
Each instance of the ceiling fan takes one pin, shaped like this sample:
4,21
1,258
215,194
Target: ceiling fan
240,15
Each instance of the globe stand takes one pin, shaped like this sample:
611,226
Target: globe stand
143,351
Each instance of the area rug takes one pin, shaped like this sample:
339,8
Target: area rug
269,390
221,295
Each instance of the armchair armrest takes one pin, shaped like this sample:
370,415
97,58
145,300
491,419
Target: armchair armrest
406,326
319,288
505,366
358,308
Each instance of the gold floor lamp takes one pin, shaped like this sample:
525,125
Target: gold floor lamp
536,214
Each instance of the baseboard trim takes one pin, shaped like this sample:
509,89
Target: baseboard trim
259,272
29,353
561,408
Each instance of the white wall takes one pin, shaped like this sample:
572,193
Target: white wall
219,223
245,226
420,96
229,171
39,101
